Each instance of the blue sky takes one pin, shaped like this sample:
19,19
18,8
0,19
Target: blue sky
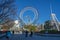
43,7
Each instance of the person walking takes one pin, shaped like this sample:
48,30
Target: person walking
31,34
13,31
8,34
26,33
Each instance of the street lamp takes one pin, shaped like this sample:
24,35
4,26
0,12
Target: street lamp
17,25
16,22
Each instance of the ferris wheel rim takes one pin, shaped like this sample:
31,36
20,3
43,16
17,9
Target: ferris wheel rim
34,10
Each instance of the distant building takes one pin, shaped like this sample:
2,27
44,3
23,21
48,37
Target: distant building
40,27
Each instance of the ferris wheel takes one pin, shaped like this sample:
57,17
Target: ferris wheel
35,12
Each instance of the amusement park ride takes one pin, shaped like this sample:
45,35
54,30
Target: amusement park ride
54,20
35,12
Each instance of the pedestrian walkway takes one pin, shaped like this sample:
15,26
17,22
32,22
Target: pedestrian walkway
34,37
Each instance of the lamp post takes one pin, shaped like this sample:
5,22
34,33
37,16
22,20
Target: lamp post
16,24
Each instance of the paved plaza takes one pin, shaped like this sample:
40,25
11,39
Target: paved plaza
34,37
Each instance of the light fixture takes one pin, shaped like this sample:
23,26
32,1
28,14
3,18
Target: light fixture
16,22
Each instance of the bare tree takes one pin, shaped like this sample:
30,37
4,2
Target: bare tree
7,10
